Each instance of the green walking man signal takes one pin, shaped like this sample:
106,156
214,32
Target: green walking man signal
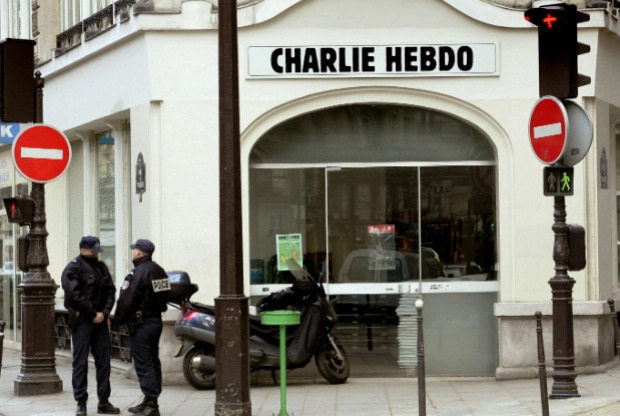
558,181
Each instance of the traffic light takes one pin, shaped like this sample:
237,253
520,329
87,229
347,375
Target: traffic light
19,210
558,49
17,94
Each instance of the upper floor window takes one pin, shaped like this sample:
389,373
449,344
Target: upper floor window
15,19
73,12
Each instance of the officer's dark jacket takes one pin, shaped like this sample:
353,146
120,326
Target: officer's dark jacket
88,287
146,288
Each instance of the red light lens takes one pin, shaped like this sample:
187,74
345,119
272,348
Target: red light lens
549,20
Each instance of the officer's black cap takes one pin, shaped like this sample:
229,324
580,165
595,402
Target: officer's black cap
91,243
144,245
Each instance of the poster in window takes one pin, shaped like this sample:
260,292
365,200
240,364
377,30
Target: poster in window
288,246
381,240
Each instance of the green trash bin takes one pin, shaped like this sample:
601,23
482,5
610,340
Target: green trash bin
283,319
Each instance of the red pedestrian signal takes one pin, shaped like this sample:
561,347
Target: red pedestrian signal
19,210
558,49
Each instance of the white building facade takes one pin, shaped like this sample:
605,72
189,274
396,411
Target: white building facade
385,145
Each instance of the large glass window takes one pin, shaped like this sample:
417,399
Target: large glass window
379,220
106,199
604,172
10,276
372,133
383,199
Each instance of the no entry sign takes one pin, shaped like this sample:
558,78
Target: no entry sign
548,129
41,153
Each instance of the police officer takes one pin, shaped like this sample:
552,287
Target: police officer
141,302
89,297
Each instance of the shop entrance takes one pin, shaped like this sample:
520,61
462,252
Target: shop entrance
379,235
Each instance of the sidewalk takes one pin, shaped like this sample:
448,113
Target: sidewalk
600,395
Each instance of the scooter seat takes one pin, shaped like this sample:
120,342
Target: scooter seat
201,307
265,332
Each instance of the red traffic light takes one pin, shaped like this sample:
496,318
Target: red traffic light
558,49
549,17
549,20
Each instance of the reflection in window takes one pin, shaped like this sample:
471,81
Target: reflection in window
106,199
10,275
74,11
458,219
372,133
604,162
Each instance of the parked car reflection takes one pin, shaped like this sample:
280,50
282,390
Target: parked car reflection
384,266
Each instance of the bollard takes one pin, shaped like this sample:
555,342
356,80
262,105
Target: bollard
2,325
281,318
542,372
614,320
421,370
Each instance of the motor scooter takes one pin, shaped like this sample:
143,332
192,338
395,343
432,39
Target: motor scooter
195,328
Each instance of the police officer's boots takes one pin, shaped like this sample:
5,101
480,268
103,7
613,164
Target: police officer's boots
151,408
81,409
139,407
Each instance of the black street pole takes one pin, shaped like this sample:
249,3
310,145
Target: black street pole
38,367
564,373
232,386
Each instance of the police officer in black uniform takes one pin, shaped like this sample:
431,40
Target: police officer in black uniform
141,302
89,298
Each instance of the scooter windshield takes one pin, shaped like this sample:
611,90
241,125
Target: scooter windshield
297,271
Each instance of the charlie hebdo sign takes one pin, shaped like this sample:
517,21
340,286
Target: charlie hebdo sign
476,59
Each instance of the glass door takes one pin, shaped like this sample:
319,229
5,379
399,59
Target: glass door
374,245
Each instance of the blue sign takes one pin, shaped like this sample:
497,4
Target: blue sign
8,132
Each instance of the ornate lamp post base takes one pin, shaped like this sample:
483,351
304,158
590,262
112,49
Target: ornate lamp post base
38,366
38,370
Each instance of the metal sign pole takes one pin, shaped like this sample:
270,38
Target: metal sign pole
38,368
232,385
564,373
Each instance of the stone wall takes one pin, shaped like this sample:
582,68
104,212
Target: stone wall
518,351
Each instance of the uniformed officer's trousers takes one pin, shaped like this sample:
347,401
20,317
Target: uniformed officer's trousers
145,355
89,337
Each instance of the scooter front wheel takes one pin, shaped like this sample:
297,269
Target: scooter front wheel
333,367
198,379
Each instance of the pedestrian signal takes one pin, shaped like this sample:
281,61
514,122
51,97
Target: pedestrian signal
558,181
19,210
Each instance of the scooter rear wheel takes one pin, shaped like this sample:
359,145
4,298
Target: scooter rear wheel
200,380
333,369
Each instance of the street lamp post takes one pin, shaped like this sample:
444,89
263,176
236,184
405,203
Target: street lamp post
232,386
564,373
38,367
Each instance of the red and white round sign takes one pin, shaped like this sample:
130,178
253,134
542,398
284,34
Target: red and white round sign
548,129
41,153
